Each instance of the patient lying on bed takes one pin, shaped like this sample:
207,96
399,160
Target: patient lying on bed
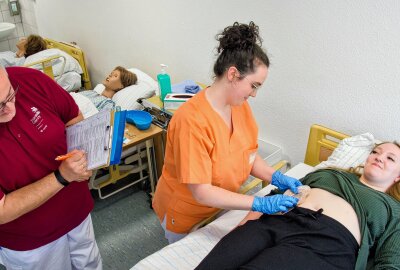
25,47
93,101
348,221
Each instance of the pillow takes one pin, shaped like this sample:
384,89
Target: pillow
143,77
127,98
71,64
350,152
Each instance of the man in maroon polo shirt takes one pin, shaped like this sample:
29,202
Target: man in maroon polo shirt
44,204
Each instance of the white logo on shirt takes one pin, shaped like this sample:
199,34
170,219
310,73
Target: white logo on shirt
37,119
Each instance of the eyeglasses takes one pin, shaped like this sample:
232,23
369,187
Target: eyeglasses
11,98
253,85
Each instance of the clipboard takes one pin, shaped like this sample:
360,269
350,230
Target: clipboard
100,136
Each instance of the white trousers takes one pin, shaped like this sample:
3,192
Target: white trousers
171,236
75,250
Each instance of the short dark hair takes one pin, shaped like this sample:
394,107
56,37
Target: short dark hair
34,44
240,46
127,78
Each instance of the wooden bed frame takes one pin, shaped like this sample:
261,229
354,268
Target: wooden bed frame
321,143
72,50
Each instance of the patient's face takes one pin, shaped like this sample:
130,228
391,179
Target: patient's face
6,91
383,164
21,43
113,81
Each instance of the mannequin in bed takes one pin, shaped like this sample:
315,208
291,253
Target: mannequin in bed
25,47
101,96
348,221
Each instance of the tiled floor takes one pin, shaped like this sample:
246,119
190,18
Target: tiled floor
126,228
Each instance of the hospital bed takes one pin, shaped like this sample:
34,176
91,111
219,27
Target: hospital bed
189,251
67,78
141,148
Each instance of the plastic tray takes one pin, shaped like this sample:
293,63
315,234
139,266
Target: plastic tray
141,119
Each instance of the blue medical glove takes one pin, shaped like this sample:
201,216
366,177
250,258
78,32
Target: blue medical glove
284,182
273,204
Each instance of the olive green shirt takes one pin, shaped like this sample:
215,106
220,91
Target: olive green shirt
378,216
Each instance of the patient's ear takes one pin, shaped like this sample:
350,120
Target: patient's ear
397,179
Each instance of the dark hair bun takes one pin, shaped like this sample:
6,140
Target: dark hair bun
239,37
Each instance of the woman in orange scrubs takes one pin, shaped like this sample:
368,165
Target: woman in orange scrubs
211,146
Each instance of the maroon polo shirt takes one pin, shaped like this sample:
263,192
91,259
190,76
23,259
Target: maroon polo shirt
28,145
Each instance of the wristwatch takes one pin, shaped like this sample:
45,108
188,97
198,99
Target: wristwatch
61,179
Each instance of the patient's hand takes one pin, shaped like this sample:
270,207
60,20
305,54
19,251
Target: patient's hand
252,215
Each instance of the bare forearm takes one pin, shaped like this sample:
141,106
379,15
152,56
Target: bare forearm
262,170
220,198
28,198
75,120
250,216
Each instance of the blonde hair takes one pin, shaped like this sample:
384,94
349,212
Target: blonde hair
394,190
127,78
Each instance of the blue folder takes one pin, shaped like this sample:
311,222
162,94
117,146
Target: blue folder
103,131
118,137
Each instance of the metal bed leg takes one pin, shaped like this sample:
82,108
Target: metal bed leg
149,145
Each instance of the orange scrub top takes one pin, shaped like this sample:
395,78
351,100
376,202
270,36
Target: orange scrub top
200,149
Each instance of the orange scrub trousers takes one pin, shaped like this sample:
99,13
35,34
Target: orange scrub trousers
200,149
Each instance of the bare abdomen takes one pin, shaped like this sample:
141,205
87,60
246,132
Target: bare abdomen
334,207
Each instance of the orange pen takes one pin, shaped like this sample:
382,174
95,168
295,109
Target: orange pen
64,157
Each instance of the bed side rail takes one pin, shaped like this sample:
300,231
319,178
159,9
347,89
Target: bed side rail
321,143
76,52
47,64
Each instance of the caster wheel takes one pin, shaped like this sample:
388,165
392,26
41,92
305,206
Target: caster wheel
150,201
145,185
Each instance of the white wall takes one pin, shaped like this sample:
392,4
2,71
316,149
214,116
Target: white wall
336,63
28,16
25,23
8,43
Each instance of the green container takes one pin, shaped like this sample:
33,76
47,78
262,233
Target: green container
164,82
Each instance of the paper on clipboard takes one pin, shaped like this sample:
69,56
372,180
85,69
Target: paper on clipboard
94,135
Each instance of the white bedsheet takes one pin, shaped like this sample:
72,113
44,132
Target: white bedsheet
9,59
188,252
86,107
70,81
